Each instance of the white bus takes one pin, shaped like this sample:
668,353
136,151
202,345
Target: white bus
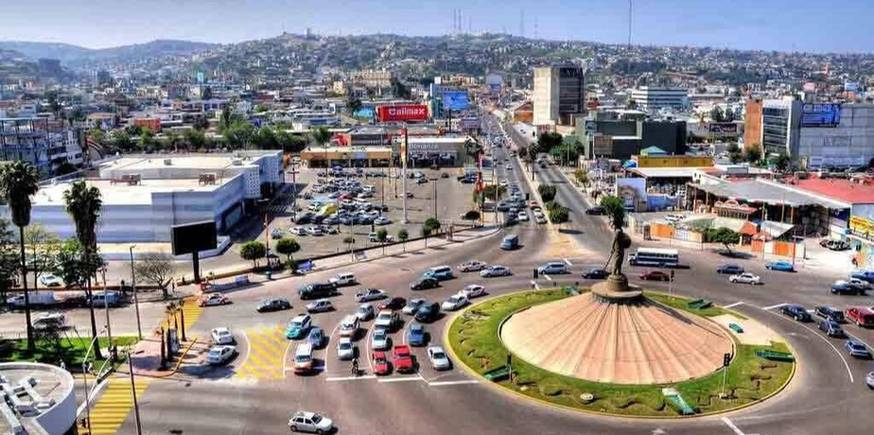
654,257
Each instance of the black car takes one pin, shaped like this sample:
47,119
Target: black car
796,312
317,290
275,304
596,211
831,328
304,218
847,288
731,269
395,303
427,312
830,313
596,274
424,283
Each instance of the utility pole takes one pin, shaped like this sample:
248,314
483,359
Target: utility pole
404,174
133,283
133,391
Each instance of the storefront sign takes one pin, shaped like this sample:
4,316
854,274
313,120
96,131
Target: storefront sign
862,227
402,112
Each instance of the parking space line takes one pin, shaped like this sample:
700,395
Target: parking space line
442,383
732,426
350,378
568,262
548,278
813,331
403,379
536,286
775,306
734,304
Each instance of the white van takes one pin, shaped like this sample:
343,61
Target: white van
343,278
349,326
440,273
303,358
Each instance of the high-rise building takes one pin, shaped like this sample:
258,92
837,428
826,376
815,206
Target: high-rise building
753,123
652,99
40,142
559,95
780,126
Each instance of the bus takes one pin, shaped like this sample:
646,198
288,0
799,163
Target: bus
654,257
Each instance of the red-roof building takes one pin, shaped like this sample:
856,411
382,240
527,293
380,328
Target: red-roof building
850,191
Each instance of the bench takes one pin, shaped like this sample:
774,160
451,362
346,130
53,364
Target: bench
775,356
736,328
699,304
498,374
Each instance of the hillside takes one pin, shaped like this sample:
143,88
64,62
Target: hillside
73,55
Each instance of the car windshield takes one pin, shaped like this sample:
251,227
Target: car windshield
379,334
439,355
345,345
215,352
294,324
302,358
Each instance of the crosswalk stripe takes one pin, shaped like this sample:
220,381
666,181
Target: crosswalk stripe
114,405
266,351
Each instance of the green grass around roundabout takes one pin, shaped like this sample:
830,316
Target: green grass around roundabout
474,338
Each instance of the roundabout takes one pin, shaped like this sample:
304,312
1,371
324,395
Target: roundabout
486,336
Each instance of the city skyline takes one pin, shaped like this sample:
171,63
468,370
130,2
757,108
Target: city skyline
772,25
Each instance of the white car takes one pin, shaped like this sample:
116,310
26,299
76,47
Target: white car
342,279
386,319
472,266
349,326
745,278
320,306
304,421
298,231
220,354
438,358
364,312
346,349
413,305
869,379
50,280
276,233
473,291
454,302
222,335
379,339
314,230
522,216
496,270
370,294
382,220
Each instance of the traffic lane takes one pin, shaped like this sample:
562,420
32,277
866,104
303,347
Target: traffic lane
123,319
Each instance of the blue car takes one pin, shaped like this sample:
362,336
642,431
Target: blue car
416,336
857,349
783,266
865,275
316,337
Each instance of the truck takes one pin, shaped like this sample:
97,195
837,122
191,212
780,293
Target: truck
37,298
317,290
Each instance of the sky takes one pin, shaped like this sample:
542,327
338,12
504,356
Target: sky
797,25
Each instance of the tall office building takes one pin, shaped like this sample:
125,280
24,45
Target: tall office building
653,99
559,94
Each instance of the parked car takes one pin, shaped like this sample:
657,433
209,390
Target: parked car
780,265
305,421
380,339
365,312
853,286
370,294
50,280
380,363
298,231
596,274
830,313
395,303
454,302
412,305
402,359
273,304
831,328
552,268
495,271
655,275
861,316
387,319
316,337
857,349
346,350
343,279
796,312
471,266
745,278
349,326
213,299
381,220
438,358
471,291
221,335
424,283
220,354
428,312
317,290
320,306
596,211
864,275
730,269
298,327
416,335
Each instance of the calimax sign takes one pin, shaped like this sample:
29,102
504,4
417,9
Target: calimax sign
402,112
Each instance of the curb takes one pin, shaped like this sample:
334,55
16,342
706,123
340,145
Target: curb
178,363
518,395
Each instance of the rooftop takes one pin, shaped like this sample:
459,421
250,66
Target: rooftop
768,192
123,193
841,189
202,161
39,394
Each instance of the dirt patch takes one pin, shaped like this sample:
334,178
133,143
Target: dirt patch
754,333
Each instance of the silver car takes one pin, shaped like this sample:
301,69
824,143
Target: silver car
364,312
379,340
346,349
438,358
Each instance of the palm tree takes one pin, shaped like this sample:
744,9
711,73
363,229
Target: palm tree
18,182
83,204
322,136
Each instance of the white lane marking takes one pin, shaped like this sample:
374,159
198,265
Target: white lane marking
548,278
248,349
775,306
402,379
327,346
536,286
734,304
350,378
285,358
731,426
839,354
441,383
568,262
367,348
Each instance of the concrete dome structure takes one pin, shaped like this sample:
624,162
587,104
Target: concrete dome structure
635,341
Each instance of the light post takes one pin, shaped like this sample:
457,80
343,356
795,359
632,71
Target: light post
434,180
85,367
133,283
106,309
133,392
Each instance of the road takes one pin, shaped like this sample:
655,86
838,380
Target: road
255,394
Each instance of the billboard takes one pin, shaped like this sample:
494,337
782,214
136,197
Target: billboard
722,128
364,112
820,114
469,123
455,100
193,237
402,112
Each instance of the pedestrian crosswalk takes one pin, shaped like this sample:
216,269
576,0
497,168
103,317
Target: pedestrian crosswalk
562,246
190,311
114,405
265,360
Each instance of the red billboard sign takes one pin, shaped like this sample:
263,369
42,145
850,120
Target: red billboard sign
402,112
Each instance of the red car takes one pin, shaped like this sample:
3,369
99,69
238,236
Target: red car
403,359
395,303
213,299
655,275
380,363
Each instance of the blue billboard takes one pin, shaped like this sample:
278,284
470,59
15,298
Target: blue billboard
455,100
820,114
365,112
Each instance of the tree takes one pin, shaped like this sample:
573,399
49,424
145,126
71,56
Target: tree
781,162
547,192
491,192
471,215
147,140
265,138
200,123
196,139
157,269
122,141
9,260
44,247
353,104
72,266
19,181
615,208
382,237
287,246
429,227
716,114
321,136
558,214
83,204
722,235
239,135
253,251
753,153
207,93
523,152
734,153
225,119
582,177
403,236
545,143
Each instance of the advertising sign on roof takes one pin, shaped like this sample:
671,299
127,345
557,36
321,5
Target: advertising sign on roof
820,114
455,100
402,112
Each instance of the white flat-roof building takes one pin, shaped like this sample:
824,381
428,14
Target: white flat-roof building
36,399
651,99
144,196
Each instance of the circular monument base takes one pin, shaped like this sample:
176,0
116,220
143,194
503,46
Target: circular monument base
617,290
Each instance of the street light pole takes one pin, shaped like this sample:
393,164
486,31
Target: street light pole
133,391
435,197
106,309
404,175
133,283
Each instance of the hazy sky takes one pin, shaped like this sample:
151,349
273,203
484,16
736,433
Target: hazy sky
788,25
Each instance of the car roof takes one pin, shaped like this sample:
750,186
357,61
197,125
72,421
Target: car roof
221,329
306,414
300,317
